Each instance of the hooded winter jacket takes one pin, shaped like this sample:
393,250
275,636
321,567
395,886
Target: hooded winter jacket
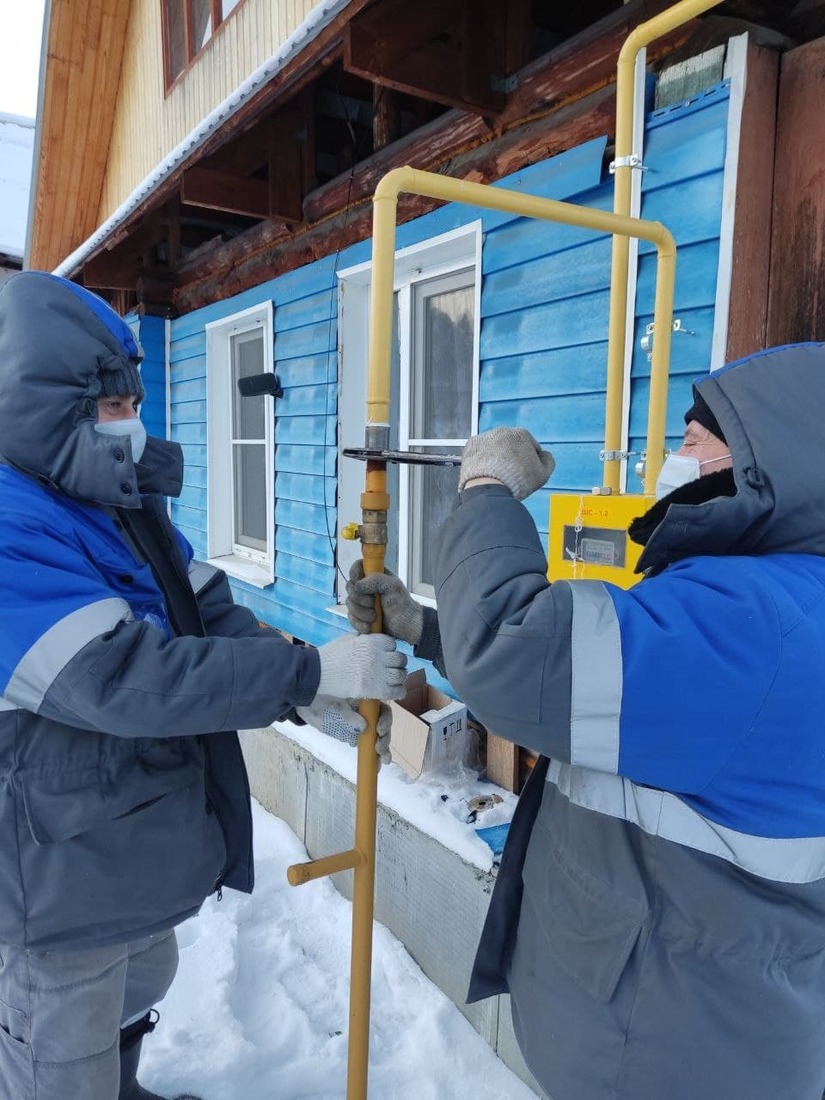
125,666
659,916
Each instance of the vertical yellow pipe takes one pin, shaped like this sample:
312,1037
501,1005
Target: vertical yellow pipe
374,499
366,809
375,504
385,203
638,39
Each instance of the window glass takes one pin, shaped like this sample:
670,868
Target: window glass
201,23
445,376
441,407
175,25
249,470
248,413
433,490
227,6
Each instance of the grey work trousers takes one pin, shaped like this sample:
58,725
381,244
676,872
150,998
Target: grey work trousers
61,1013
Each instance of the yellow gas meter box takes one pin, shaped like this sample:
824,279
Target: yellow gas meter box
588,537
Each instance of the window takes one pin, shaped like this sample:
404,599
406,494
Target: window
433,393
240,460
187,27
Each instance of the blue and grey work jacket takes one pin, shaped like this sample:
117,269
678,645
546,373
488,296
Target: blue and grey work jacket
123,795
659,917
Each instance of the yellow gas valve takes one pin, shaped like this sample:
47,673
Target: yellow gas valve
351,531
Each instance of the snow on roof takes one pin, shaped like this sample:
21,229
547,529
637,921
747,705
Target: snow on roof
16,152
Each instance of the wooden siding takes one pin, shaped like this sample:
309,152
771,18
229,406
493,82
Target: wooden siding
544,308
685,151
148,123
305,323
76,112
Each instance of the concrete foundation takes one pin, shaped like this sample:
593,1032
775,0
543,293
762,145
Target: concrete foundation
428,896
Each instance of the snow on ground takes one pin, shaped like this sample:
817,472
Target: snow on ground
259,1008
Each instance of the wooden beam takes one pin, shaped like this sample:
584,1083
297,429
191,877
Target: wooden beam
120,266
384,117
291,160
271,249
244,154
385,34
448,53
796,302
210,189
155,294
748,310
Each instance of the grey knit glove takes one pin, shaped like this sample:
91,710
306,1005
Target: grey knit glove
512,456
403,616
340,719
362,666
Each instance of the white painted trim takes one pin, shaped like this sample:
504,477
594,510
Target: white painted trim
167,379
736,70
404,372
167,373
405,258
257,568
638,147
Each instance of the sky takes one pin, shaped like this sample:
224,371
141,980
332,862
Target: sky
259,1007
21,23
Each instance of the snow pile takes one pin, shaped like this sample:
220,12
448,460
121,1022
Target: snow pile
259,1008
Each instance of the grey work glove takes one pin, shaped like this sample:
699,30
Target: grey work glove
403,617
340,719
512,456
362,666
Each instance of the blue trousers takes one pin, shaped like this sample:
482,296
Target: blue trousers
61,1013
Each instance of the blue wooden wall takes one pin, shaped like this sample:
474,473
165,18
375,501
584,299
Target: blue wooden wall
150,331
544,309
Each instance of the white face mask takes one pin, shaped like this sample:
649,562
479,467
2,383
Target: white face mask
678,470
133,427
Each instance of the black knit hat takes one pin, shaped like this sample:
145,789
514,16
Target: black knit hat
121,379
700,412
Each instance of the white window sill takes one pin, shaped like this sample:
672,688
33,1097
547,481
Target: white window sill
242,569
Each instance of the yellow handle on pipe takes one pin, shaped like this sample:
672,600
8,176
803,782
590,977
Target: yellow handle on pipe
299,873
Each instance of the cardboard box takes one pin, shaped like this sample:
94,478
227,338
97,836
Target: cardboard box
429,729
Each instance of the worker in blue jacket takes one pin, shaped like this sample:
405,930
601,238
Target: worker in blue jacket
659,915
125,667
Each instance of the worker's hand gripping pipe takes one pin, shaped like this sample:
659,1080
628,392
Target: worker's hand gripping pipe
375,505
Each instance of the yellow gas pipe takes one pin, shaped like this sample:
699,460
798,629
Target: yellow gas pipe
375,500
626,161
375,504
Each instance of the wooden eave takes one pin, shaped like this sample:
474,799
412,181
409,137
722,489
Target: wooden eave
83,59
256,198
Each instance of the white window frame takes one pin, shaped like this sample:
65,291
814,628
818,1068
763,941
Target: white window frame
257,567
442,255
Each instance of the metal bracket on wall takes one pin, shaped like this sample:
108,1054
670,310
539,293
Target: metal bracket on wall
631,161
647,340
615,456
